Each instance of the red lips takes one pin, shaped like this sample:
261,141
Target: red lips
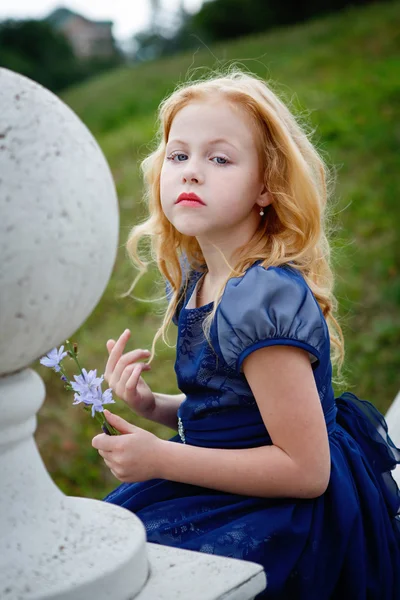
189,196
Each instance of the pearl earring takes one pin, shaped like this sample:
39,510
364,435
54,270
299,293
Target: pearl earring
262,211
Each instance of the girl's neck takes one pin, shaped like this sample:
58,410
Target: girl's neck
224,247
206,290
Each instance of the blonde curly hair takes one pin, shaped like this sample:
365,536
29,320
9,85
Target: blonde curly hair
296,226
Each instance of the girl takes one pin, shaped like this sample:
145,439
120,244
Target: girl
268,465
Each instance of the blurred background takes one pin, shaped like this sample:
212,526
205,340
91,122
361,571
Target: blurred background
335,63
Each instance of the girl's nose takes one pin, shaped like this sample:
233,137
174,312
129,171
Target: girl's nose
192,175
191,178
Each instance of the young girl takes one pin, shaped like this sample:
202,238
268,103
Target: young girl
268,465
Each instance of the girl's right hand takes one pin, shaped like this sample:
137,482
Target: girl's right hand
122,373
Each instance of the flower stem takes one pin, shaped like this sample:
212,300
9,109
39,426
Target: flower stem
73,355
62,370
103,422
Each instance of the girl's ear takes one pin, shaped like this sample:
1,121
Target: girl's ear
265,198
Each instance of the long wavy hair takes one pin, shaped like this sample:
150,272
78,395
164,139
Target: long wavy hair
296,225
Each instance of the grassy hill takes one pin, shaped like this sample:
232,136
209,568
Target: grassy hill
342,73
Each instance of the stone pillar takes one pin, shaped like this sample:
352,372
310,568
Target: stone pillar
59,226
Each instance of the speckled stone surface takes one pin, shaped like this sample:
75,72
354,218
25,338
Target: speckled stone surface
186,575
51,545
59,224
59,221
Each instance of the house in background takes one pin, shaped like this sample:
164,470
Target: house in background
89,39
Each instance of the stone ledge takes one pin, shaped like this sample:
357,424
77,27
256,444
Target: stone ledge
199,576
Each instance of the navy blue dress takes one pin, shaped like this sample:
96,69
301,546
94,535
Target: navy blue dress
343,544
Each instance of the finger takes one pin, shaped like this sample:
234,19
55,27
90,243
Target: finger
129,358
118,422
116,353
134,378
120,388
110,345
105,453
104,442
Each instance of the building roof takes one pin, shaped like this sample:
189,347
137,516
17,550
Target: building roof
61,15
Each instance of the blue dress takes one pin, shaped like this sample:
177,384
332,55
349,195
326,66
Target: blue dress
344,544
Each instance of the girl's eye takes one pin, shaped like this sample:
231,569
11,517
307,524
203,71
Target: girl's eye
178,154
172,156
221,158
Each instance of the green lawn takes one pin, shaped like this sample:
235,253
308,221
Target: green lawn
341,75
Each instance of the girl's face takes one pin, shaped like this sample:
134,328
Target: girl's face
211,151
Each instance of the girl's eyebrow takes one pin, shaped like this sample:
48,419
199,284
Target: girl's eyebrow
210,143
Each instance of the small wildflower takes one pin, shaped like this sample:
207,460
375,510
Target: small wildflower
96,398
53,358
87,382
87,386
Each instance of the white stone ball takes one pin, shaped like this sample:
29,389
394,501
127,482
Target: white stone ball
59,221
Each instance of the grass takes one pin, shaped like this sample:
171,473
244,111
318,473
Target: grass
340,75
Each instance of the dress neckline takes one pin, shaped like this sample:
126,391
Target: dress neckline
194,291
198,275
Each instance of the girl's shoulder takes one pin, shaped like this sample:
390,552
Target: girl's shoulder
275,284
269,306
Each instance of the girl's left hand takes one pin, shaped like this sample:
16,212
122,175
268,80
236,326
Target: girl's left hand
131,457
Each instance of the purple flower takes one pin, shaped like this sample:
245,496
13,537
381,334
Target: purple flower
53,358
87,382
96,398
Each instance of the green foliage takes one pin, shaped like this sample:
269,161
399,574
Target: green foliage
340,74
218,20
34,49
227,19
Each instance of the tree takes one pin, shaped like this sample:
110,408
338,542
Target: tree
224,19
34,49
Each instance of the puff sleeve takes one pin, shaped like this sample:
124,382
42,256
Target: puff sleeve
266,307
